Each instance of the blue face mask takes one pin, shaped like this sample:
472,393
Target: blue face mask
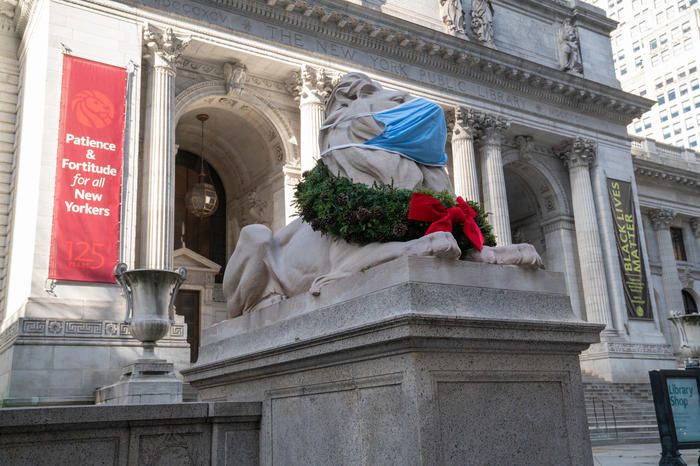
415,129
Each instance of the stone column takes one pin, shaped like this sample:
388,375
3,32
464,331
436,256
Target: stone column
695,226
310,87
466,179
491,130
163,48
578,155
661,222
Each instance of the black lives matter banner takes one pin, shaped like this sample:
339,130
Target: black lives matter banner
629,250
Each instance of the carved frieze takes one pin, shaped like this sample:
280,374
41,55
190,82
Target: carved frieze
351,33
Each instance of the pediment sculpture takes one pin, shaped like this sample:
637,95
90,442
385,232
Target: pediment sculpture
381,147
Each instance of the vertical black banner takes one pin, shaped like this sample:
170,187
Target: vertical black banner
634,279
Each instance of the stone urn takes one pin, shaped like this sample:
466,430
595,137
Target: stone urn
688,326
150,296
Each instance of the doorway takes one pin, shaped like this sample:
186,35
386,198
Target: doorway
187,305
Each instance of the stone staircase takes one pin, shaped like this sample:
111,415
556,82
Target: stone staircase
620,413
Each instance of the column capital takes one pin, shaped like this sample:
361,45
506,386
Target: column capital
695,226
491,128
311,84
578,152
163,46
461,123
661,218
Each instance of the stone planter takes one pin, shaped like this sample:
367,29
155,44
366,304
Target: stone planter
688,326
150,296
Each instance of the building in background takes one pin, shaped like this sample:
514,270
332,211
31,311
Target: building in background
655,49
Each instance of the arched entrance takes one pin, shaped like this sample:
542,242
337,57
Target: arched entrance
245,157
540,214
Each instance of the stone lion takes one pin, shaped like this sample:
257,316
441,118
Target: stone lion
266,268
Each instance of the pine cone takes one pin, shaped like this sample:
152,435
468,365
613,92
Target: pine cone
362,214
342,199
400,230
377,212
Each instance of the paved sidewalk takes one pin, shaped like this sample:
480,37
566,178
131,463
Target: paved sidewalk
646,454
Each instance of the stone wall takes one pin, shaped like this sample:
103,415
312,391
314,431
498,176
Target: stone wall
187,434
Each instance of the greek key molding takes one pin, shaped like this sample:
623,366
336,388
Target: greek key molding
78,329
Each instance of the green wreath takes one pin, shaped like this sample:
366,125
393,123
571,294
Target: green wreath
360,214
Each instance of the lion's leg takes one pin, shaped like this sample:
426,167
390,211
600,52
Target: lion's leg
248,279
353,259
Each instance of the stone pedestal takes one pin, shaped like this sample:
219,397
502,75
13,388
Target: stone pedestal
146,381
418,361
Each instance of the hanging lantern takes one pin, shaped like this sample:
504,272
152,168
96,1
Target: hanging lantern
202,200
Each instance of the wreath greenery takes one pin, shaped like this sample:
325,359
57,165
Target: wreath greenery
361,214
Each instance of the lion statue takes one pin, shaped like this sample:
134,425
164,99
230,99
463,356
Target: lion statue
268,267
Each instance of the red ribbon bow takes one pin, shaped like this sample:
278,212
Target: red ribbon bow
426,208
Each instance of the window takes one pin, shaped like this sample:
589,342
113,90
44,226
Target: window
674,111
665,54
685,26
683,89
623,70
669,78
694,85
671,95
661,99
637,126
653,44
647,122
636,46
675,33
642,92
667,132
678,245
681,73
659,84
663,115
689,123
696,101
663,38
638,63
692,141
688,44
689,304
654,60
686,106
692,68
677,129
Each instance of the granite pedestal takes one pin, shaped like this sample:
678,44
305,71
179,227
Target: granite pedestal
418,361
146,381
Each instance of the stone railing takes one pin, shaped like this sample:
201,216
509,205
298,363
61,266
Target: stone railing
650,149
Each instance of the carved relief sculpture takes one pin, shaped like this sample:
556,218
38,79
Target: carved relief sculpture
453,16
571,48
235,75
482,21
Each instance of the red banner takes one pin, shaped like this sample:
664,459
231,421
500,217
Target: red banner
87,199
